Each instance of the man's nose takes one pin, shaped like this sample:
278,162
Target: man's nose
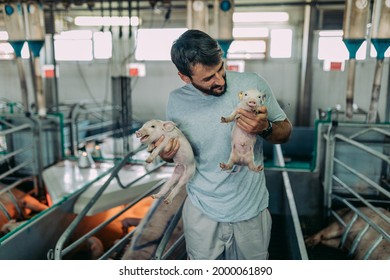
219,79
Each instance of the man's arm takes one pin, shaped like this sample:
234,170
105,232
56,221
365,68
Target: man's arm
281,132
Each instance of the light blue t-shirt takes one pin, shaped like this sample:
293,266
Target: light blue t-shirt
223,196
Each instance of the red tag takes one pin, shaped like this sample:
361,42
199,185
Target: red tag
336,66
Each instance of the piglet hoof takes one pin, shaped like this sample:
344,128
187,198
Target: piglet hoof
312,241
223,120
149,160
150,148
225,166
167,200
259,168
155,196
256,168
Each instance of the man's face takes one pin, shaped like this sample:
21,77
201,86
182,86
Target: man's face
210,80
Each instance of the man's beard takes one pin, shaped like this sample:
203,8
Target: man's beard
211,91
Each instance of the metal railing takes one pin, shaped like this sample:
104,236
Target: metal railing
373,143
60,251
82,119
291,204
12,174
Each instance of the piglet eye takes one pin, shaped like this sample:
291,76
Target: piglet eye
153,126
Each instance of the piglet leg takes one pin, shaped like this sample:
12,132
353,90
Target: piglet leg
230,118
155,152
256,168
232,160
177,173
328,236
188,173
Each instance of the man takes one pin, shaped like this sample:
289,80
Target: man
225,215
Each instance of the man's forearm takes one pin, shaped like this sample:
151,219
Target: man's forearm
281,132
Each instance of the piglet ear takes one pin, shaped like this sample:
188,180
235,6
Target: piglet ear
168,126
240,95
263,98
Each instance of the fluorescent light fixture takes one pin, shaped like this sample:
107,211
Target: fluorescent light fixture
250,32
102,42
331,33
106,21
281,43
334,49
74,35
6,51
74,45
256,17
25,51
155,44
3,36
73,50
248,46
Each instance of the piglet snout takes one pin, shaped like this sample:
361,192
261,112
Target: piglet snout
138,134
252,103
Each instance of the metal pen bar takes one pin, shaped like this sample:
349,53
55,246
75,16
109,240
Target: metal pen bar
363,147
15,202
362,199
291,201
347,230
377,228
124,240
5,211
174,246
168,233
357,240
98,125
14,129
96,136
363,177
19,151
120,243
338,218
369,129
82,214
76,221
20,166
158,166
100,226
373,247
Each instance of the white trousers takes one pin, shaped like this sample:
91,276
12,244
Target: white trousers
209,240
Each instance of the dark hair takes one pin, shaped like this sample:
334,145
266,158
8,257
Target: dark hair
193,47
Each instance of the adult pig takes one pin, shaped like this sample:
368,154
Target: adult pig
243,142
153,227
332,234
184,160
17,205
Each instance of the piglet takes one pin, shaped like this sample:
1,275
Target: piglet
243,142
184,160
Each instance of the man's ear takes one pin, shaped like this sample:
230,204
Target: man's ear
184,78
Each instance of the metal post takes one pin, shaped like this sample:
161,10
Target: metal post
329,166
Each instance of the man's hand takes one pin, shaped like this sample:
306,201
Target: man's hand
169,150
251,122
257,123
